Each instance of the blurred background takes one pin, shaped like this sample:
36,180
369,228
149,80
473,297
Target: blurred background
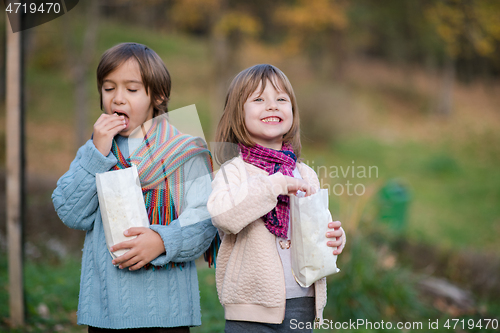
400,117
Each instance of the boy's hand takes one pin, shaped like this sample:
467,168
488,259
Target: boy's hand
338,234
105,129
145,247
296,184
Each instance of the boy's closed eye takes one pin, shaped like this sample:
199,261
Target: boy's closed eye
111,89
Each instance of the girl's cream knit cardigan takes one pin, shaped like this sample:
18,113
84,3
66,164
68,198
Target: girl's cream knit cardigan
249,273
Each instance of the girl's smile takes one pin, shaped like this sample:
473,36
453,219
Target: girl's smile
271,120
268,115
124,94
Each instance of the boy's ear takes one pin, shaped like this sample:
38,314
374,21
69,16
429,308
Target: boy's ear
160,100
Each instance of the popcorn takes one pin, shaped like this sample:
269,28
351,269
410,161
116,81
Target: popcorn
312,259
122,205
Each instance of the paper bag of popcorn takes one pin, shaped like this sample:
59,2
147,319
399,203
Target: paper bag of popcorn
121,203
311,258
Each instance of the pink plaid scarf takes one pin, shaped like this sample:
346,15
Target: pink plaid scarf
272,161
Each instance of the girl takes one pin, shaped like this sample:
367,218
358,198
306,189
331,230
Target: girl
153,285
249,205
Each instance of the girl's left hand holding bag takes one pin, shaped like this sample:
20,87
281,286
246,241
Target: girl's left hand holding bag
143,249
338,235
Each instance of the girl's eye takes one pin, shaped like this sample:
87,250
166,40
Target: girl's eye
258,99
108,89
132,90
282,99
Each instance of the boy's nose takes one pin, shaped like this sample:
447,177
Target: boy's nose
118,98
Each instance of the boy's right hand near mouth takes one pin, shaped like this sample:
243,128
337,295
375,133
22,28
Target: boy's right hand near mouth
105,129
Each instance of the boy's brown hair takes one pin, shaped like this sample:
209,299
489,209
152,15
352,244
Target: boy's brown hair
154,74
231,128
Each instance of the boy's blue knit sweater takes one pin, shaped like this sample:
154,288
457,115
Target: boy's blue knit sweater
115,298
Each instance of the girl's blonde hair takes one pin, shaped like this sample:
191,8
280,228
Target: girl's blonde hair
154,74
232,129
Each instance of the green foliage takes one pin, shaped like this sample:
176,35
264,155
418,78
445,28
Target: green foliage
465,26
4,283
53,286
404,38
212,313
367,288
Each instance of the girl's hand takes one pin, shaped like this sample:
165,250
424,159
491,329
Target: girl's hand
337,233
145,247
105,129
296,184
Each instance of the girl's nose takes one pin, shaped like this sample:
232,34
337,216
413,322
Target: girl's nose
272,105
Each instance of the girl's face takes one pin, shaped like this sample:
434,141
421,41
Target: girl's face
124,93
268,116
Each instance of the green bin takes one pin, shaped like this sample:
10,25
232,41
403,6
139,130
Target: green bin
393,201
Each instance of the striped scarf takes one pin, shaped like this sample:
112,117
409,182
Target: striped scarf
272,161
159,159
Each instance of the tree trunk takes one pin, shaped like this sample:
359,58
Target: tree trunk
3,42
15,175
79,63
219,50
445,102
337,54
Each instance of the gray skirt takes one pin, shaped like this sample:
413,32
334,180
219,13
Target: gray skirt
299,317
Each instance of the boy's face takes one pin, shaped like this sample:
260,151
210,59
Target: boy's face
124,93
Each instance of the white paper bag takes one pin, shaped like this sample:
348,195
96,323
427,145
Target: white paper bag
311,258
122,205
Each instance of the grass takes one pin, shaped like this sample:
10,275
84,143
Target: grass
54,285
48,285
370,290
212,313
449,193
370,287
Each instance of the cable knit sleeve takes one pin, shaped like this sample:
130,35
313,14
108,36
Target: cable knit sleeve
238,199
75,197
187,237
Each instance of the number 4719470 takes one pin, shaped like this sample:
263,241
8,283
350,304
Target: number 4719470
471,323
32,8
